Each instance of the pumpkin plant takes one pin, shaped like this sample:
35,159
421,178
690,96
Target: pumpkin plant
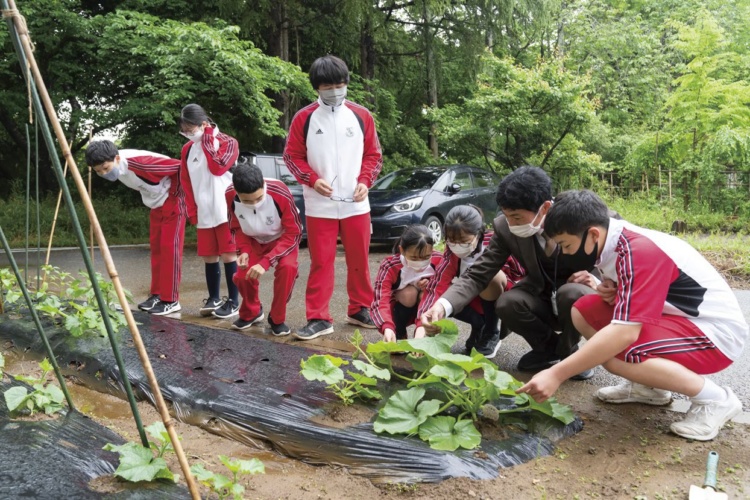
138,463
45,397
467,386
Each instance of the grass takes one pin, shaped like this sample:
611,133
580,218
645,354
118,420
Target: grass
123,221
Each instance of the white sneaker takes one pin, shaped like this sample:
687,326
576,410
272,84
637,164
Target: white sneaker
630,392
705,418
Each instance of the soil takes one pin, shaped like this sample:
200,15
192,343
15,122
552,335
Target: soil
340,416
624,451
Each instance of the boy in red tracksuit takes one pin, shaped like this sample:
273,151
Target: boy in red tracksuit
268,229
156,177
400,282
204,173
334,152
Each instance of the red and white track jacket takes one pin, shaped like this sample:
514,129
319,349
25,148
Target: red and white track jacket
155,176
205,176
277,220
450,268
386,284
339,145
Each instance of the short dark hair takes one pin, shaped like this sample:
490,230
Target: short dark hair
328,69
464,219
98,152
416,235
193,114
526,188
575,211
247,178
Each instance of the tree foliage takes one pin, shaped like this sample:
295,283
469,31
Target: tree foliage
581,87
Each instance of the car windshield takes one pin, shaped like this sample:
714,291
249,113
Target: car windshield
409,179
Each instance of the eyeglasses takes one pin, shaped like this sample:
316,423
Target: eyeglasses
338,198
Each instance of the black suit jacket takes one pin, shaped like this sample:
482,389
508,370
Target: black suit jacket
502,245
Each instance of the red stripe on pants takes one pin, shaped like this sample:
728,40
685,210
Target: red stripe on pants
166,238
322,237
284,277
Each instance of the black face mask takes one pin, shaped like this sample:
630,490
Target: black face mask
581,261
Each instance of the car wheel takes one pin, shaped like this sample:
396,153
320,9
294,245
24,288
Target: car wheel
435,226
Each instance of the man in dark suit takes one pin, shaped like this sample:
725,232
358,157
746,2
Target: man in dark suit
539,305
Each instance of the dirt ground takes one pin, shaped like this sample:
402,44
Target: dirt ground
623,452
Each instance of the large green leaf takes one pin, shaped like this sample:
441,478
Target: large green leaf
403,413
500,379
444,433
252,466
371,371
434,346
138,463
450,372
324,368
551,407
401,346
467,363
447,327
15,397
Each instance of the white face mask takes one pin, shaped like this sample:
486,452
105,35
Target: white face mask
257,204
528,230
463,250
417,265
195,137
112,175
333,97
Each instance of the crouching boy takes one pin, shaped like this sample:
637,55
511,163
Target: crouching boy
156,177
663,318
267,228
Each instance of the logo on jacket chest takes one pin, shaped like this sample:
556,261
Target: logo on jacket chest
350,131
269,220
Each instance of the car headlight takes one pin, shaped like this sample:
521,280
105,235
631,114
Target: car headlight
408,205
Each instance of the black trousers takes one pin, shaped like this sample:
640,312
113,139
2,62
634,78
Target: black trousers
531,317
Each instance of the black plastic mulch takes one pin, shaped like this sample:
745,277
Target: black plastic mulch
57,458
250,389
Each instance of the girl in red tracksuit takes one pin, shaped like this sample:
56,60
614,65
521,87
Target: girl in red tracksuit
204,173
268,228
466,240
400,282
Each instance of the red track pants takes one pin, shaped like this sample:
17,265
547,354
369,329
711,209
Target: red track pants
322,237
284,276
166,238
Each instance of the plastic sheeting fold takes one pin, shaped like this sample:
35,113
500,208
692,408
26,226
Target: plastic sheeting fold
57,458
250,389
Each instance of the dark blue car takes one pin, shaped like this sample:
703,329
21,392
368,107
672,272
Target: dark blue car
425,195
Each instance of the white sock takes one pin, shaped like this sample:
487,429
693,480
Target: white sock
711,392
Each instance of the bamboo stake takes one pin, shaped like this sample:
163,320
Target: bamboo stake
91,228
104,249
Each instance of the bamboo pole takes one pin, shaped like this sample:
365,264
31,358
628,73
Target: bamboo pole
104,249
91,195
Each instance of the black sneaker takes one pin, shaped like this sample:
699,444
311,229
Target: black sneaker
314,329
210,305
241,324
362,318
279,330
163,308
149,303
536,361
227,310
490,346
